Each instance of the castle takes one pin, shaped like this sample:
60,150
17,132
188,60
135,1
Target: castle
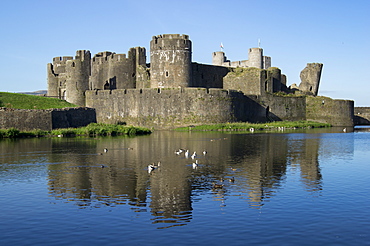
172,90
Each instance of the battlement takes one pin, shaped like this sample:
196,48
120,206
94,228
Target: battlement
61,59
171,42
83,55
108,56
172,36
148,92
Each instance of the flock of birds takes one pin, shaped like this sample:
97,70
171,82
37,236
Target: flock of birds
195,164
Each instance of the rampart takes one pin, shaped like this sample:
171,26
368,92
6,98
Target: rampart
327,110
48,119
169,107
283,108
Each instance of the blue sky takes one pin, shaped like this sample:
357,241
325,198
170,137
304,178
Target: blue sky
293,33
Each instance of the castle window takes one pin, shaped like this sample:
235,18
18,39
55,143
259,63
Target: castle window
73,64
166,73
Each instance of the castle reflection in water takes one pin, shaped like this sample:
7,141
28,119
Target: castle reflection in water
252,166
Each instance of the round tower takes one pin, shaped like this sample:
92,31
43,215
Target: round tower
170,61
255,57
77,77
218,58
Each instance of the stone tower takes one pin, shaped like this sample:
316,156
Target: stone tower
116,71
57,77
255,57
218,58
170,61
78,71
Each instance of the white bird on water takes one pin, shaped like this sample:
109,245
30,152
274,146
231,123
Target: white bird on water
187,154
194,155
152,166
195,164
177,152
204,152
105,150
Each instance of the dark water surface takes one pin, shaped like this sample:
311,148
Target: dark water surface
299,188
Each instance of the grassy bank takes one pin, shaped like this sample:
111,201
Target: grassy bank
23,101
255,127
93,129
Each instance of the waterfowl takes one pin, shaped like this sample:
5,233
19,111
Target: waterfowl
102,166
158,165
204,152
105,150
187,153
195,164
177,152
232,180
194,155
151,167
217,186
344,129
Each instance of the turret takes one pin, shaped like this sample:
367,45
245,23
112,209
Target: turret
77,77
255,57
218,58
170,61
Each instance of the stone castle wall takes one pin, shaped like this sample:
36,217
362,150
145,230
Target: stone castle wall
208,76
327,110
165,108
284,108
48,119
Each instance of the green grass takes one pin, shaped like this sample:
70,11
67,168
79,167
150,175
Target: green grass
93,129
256,127
23,101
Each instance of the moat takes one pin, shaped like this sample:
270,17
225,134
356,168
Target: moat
304,187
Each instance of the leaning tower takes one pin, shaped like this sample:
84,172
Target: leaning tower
170,61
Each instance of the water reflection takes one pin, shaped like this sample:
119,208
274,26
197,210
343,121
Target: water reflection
252,166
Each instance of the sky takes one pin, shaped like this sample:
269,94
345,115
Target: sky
293,33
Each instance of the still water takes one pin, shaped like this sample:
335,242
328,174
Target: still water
297,188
